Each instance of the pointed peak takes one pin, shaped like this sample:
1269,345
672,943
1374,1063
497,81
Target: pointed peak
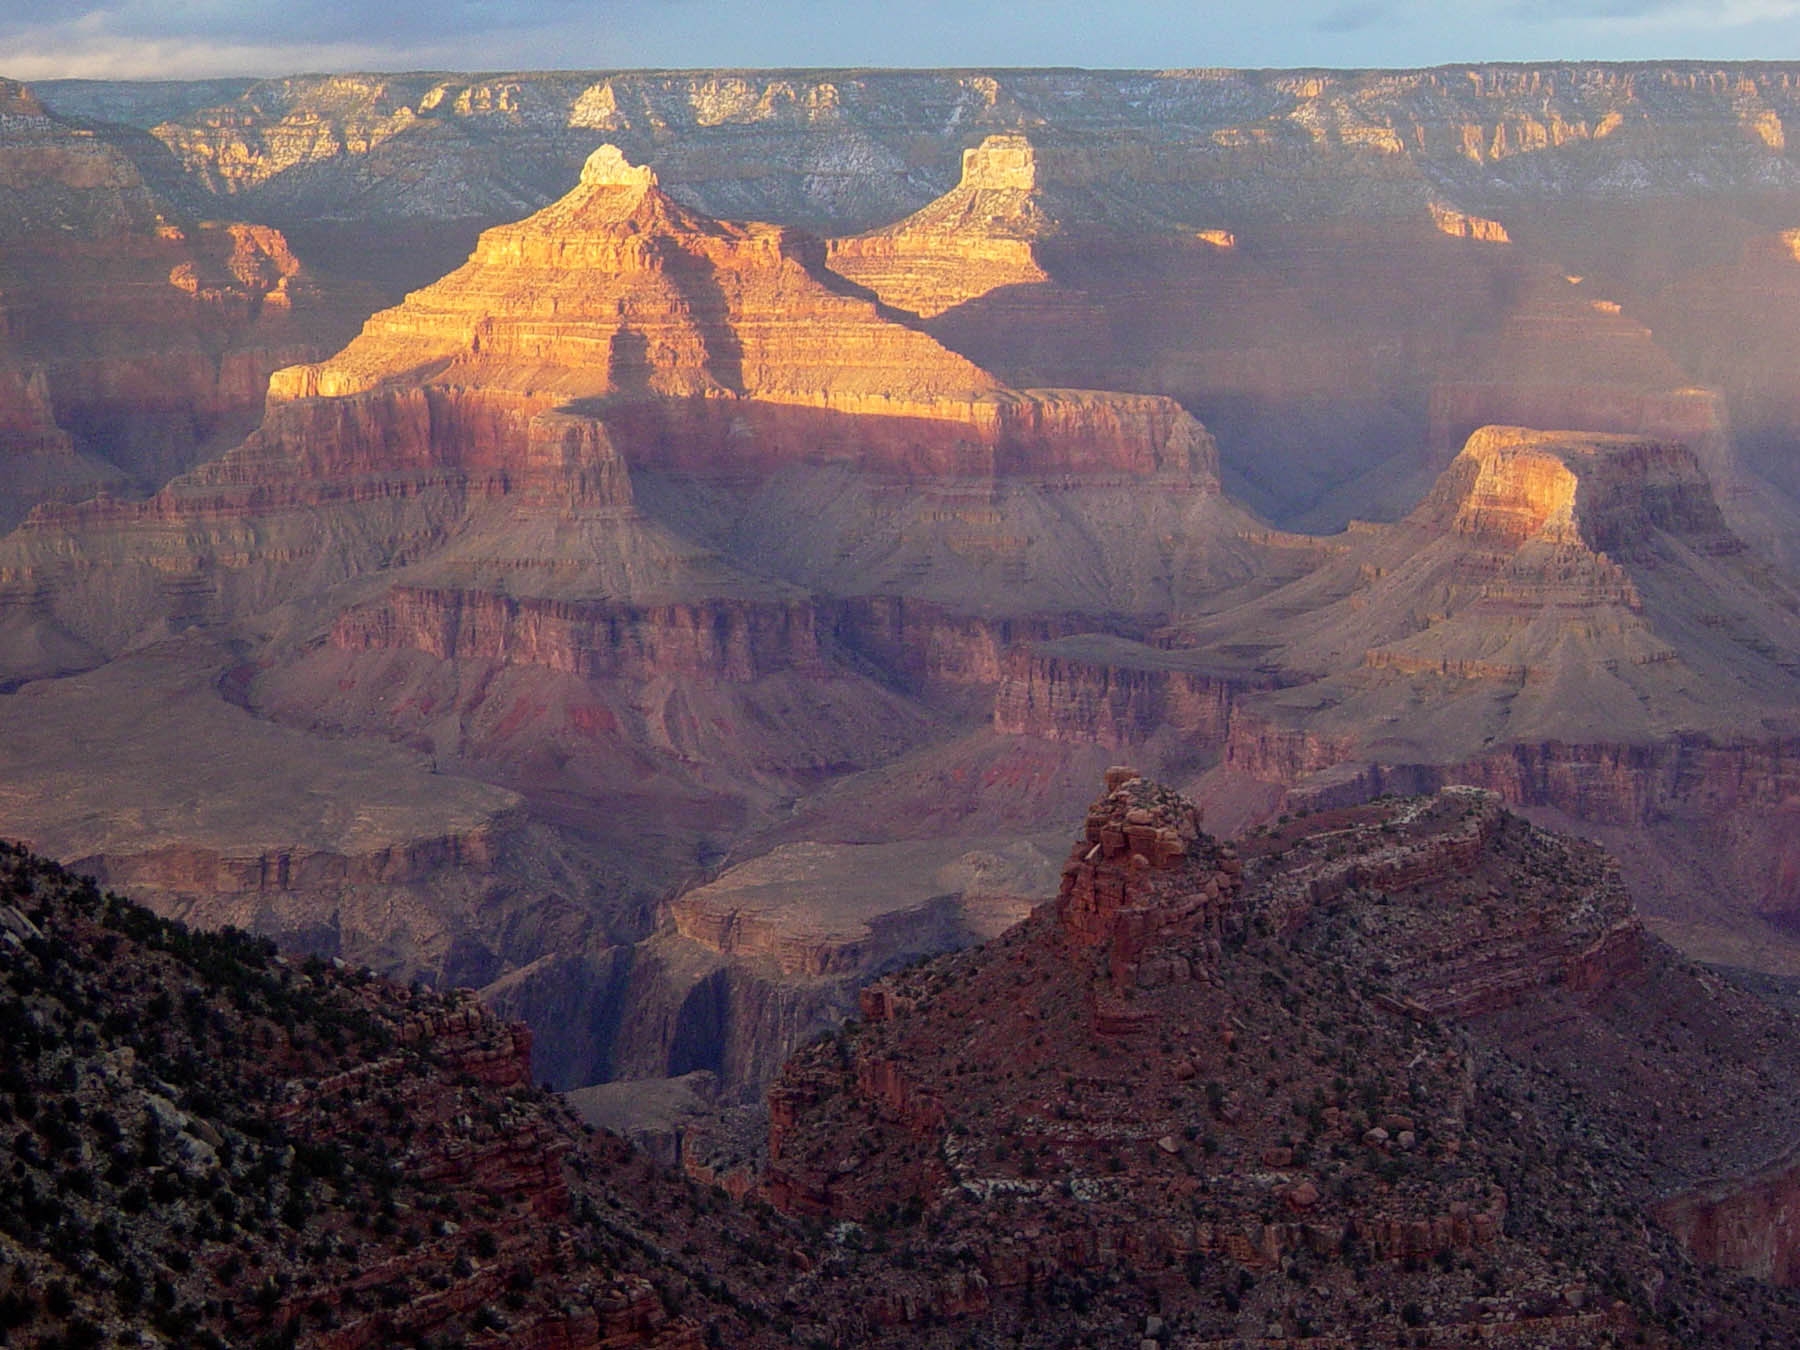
1001,163
608,167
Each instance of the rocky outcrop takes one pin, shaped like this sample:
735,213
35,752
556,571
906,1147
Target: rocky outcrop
679,345
1562,921
1141,866
1743,1223
1461,225
1366,195
1210,1125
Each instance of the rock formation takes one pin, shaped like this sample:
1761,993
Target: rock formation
1117,693
979,237
1364,205
1202,1068
675,563
132,341
1565,618
650,519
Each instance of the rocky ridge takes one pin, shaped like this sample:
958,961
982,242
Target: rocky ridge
1306,1057
1368,1077
215,1146
840,147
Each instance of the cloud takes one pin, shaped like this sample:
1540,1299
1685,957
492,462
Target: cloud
173,39
187,39
1352,18
1642,15
130,58
324,22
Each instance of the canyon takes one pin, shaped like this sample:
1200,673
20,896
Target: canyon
1370,1076
664,550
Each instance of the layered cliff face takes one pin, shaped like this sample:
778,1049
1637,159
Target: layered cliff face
134,342
1566,618
842,147
1589,580
1568,356
977,238
695,349
624,291
1118,693
1331,247
362,851
1208,1066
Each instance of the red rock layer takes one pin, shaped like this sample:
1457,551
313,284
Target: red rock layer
932,647
1115,694
1121,1083
226,876
1746,1223
595,639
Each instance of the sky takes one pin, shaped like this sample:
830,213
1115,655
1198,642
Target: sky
147,39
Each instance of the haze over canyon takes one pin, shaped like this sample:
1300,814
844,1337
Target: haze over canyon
664,550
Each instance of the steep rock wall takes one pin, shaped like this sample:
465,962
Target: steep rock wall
1112,696
720,639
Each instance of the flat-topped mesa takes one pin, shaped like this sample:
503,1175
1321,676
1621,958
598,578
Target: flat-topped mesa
1142,865
976,238
1000,163
1583,489
1537,545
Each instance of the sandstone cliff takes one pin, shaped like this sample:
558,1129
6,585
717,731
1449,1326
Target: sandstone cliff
975,239
1560,619
1367,210
134,340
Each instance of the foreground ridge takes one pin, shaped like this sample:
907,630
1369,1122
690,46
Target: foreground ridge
1321,1055
211,1146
